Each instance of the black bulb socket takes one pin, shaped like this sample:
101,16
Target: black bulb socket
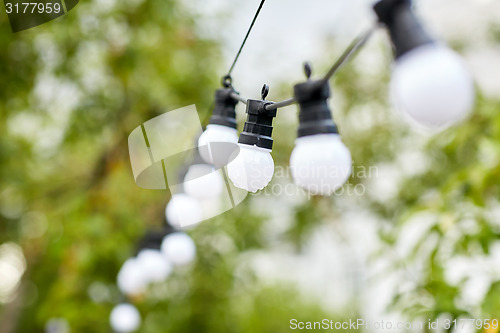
224,112
153,238
405,29
258,127
315,116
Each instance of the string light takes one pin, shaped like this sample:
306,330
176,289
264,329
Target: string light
253,166
429,82
154,266
130,279
320,163
202,181
125,318
222,125
183,210
179,248
159,251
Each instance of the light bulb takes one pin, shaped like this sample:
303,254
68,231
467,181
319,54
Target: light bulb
131,279
432,85
202,181
182,210
215,134
125,318
252,169
320,163
179,248
154,265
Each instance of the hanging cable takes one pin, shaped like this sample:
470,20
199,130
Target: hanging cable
355,45
350,51
227,77
237,97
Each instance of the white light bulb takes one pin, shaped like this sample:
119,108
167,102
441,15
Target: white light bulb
215,133
130,279
202,181
125,318
183,210
431,84
179,248
320,163
154,265
252,169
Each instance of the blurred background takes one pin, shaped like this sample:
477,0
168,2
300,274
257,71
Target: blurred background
414,235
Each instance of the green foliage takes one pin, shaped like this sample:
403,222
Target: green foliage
64,169
459,185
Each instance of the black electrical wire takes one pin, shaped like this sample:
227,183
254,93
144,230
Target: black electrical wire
350,51
355,45
228,75
238,98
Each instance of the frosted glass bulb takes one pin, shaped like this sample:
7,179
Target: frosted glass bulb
252,169
320,163
154,265
125,318
432,85
131,280
182,210
179,248
215,133
202,181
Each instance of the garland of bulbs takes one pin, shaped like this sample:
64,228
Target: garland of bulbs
429,82
159,253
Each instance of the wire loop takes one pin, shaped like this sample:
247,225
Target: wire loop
307,69
227,81
264,92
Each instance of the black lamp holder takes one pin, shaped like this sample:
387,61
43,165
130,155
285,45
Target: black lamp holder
259,124
153,238
224,112
315,116
404,27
